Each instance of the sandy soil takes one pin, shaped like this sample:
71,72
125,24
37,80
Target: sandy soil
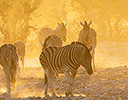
110,82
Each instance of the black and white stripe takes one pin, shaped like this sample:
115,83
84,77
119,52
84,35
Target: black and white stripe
52,40
64,59
20,46
9,61
60,31
87,36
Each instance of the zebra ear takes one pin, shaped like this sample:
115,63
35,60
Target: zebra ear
58,23
66,24
81,24
90,23
90,49
85,23
41,44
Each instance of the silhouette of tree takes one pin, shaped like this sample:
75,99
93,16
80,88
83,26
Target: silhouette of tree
15,18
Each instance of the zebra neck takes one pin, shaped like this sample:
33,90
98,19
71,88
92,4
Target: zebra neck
55,33
88,43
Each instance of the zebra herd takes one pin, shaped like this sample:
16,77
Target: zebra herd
54,57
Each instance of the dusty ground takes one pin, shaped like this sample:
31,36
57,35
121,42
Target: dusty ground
110,82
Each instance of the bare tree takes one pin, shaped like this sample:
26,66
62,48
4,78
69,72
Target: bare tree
15,18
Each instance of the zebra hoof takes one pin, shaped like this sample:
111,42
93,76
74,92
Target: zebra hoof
47,97
71,95
67,93
5,95
54,97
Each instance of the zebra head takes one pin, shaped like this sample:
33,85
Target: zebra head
61,31
86,59
86,30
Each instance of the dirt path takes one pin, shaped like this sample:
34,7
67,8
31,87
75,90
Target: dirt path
106,84
110,82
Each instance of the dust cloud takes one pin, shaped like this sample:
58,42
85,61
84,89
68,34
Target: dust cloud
22,20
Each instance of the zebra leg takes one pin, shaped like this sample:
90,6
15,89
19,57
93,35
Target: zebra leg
22,60
13,79
8,77
8,82
50,75
73,74
56,74
46,87
94,67
70,80
13,86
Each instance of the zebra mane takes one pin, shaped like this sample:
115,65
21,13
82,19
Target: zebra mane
47,38
79,43
60,25
11,46
51,36
83,46
75,43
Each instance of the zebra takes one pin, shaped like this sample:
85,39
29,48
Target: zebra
9,61
88,37
20,46
66,59
60,31
52,40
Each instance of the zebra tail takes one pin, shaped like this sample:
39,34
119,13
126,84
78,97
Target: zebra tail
90,49
45,79
41,44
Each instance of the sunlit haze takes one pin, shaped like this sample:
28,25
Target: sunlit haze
23,19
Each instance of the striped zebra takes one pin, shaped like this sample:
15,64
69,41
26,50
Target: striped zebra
20,46
66,59
60,31
52,40
88,37
9,62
